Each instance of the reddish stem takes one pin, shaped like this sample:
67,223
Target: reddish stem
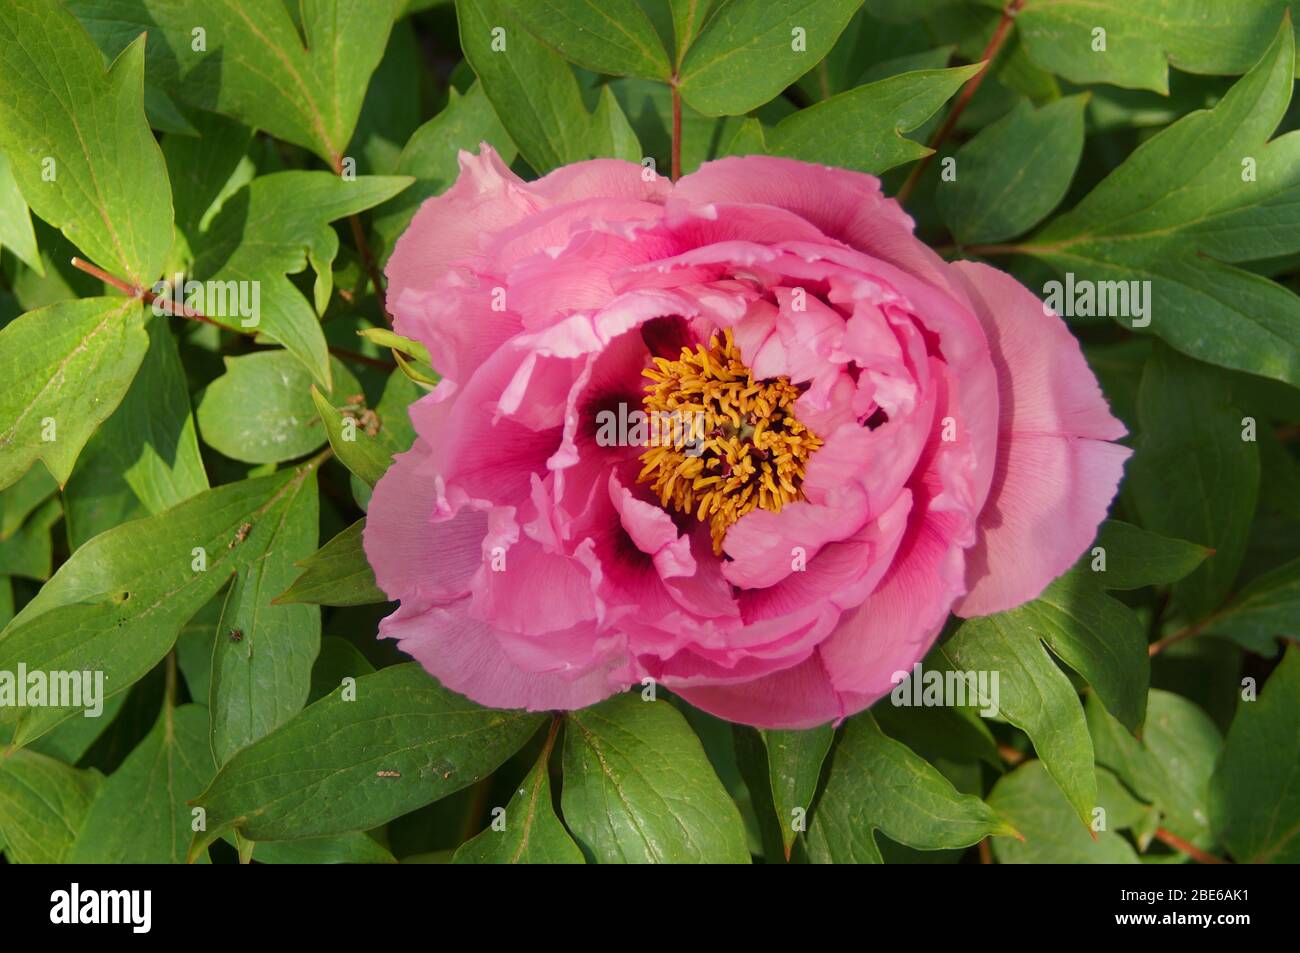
1010,755
180,309
963,99
372,269
367,257
168,305
362,358
1191,850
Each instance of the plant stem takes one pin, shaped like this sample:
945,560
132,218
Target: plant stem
967,93
182,310
320,459
367,257
362,358
1010,755
148,297
372,269
1183,847
1155,648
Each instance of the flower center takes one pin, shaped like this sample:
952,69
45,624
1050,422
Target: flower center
722,444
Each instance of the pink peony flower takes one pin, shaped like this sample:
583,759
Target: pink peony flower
883,438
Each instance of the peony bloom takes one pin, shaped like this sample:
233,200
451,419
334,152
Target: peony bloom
873,438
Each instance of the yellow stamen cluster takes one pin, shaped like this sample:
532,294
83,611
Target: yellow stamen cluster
751,451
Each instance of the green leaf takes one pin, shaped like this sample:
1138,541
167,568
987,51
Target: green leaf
862,128
204,170
70,741
42,806
794,763
66,368
532,833
1014,172
688,18
140,815
195,644
1171,766
118,603
78,141
431,157
88,513
1036,807
389,427
1124,556
272,227
749,51
536,95
1193,477
360,452
262,661
351,848
752,764
348,765
15,222
1182,207
1254,794
607,36
337,574
145,458
29,552
876,783
638,788
1143,40
390,339
302,78
1096,636
22,499
387,120
941,734
279,423
1264,611
1033,694
649,108
338,659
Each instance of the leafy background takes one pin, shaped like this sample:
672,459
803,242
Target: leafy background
1121,689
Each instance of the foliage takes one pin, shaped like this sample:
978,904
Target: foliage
192,419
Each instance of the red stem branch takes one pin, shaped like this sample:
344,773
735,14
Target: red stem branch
1191,850
147,296
963,99
372,269
180,309
367,257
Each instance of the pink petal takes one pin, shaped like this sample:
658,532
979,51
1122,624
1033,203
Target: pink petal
847,206
1056,475
411,557
896,625
797,697
466,656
